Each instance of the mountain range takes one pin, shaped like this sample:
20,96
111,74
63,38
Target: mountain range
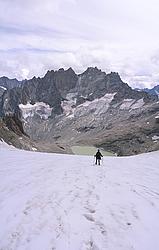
63,109
153,91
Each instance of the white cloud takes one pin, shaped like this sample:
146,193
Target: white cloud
25,73
113,35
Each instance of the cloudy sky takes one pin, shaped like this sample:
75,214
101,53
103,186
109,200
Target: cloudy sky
116,35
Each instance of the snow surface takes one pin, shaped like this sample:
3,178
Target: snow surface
3,145
63,202
40,108
3,88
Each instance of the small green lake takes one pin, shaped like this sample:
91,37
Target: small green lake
89,150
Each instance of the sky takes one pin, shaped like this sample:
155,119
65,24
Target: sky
116,35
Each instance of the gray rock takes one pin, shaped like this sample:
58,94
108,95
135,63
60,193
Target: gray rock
92,108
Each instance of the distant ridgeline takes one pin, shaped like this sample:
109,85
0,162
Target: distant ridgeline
92,108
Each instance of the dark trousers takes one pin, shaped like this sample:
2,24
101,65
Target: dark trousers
97,161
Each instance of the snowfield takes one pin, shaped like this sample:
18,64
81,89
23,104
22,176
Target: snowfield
41,109
63,202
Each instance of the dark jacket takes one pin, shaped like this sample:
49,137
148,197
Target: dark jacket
98,155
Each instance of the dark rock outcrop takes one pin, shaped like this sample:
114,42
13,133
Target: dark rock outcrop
9,83
14,124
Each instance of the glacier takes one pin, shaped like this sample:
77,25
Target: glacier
64,202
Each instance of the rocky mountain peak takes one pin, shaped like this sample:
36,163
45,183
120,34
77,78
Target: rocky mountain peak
65,80
115,84
114,76
49,73
9,83
91,71
70,70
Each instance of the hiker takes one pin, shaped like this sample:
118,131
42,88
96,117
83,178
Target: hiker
98,156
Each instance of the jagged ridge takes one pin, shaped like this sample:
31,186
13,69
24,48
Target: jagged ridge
89,108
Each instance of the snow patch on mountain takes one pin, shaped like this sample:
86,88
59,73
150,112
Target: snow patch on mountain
155,137
138,104
131,104
68,104
98,106
107,98
3,88
39,108
127,103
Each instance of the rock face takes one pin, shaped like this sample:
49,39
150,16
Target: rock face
92,108
7,83
51,90
11,132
